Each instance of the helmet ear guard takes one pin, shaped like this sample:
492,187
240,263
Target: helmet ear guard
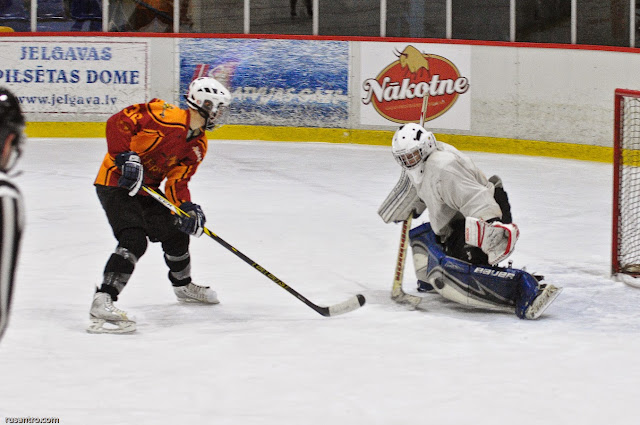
210,98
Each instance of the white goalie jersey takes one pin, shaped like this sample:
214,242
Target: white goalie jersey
453,184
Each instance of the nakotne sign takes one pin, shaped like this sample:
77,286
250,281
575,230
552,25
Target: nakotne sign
397,77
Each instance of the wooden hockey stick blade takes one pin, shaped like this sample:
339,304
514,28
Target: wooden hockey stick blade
402,297
351,304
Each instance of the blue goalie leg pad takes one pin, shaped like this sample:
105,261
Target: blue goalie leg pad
477,285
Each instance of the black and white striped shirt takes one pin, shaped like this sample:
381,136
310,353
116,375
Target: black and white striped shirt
11,226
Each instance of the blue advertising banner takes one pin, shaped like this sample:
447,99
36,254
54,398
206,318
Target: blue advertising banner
301,83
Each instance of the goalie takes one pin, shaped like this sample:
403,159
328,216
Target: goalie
470,230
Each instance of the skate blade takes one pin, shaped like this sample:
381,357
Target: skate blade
194,301
542,302
101,326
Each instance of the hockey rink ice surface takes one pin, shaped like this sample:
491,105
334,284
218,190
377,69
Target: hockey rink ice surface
307,212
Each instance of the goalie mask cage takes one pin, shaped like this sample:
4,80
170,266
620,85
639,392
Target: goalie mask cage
625,260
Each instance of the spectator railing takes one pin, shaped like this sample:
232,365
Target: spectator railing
596,22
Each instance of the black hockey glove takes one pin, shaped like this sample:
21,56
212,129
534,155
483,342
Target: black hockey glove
193,224
132,172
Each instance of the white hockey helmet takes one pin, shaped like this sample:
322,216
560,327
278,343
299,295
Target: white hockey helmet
412,144
211,99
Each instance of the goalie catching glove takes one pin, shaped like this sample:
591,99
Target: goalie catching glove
193,223
495,239
132,172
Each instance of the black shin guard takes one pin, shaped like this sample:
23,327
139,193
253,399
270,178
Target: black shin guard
117,272
179,268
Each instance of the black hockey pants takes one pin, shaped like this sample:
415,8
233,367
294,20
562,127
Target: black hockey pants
133,219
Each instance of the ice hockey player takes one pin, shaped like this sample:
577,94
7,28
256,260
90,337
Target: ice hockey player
470,228
147,144
11,206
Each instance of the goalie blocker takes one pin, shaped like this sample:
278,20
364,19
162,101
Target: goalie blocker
483,286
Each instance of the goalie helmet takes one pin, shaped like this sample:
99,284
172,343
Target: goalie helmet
211,99
411,146
11,130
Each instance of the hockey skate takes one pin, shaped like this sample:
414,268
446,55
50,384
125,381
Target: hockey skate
546,295
192,293
107,318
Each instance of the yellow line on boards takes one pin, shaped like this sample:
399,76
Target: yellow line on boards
354,136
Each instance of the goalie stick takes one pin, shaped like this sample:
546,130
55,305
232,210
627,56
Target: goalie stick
397,293
423,111
351,304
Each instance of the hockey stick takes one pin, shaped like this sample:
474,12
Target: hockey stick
351,304
397,293
423,111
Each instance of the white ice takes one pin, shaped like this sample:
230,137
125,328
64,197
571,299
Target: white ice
308,213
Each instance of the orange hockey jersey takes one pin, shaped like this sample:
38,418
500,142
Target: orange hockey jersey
157,131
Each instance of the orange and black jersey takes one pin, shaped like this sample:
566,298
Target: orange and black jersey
157,131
